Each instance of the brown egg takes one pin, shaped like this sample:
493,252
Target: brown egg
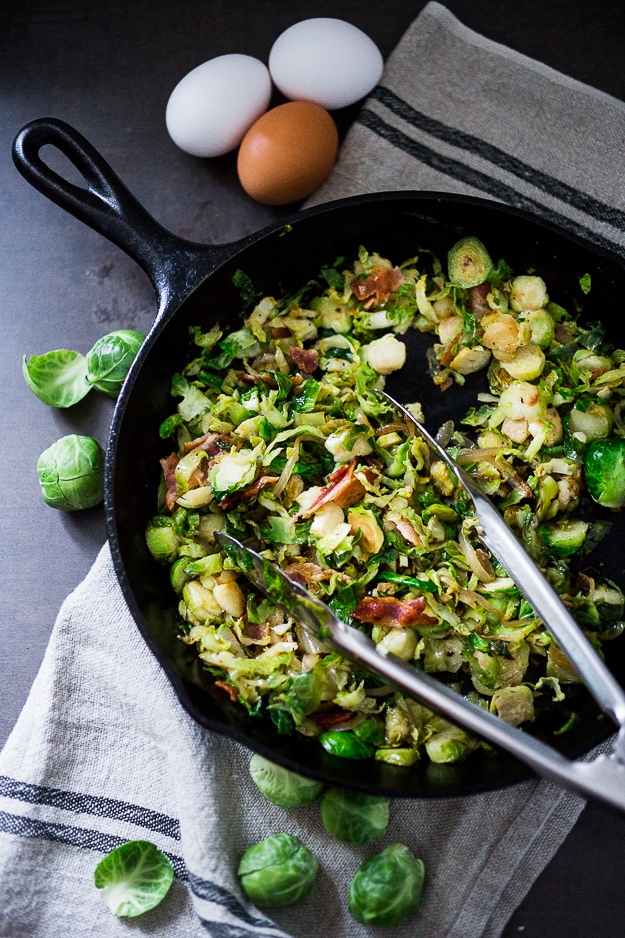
287,153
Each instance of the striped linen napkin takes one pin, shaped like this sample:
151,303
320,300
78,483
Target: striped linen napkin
103,752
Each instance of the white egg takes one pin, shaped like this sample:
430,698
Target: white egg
210,109
325,60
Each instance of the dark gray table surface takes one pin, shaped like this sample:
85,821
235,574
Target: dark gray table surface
108,69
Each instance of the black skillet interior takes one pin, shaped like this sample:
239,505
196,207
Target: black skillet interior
284,257
396,226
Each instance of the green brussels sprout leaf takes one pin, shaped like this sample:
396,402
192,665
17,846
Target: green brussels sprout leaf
110,359
281,787
604,468
387,887
278,871
584,283
133,878
245,286
564,538
58,378
352,817
71,473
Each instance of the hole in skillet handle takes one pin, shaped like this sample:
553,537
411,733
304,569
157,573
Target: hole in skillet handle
175,266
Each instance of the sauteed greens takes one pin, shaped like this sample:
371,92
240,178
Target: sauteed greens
279,438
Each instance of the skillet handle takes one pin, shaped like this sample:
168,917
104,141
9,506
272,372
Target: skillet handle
175,266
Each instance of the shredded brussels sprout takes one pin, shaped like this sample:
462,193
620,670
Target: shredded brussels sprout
279,437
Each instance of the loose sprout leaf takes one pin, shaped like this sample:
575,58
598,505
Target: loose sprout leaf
58,378
332,277
570,723
243,283
133,878
169,426
425,585
584,283
282,787
500,271
304,401
343,604
353,817
593,338
205,340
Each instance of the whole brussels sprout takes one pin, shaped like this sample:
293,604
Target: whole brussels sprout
110,359
528,292
604,469
71,473
346,744
278,871
387,887
281,787
162,540
352,817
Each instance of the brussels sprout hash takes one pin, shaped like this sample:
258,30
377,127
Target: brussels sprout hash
280,438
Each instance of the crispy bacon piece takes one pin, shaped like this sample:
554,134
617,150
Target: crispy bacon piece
450,351
247,378
209,443
396,613
305,359
585,582
562,333
477,299
378,286
333,717
370,476
343,488
252,490
229,690
256,631
169,471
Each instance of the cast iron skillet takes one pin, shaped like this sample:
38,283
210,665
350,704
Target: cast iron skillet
193,284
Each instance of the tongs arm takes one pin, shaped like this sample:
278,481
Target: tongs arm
501,541
603,779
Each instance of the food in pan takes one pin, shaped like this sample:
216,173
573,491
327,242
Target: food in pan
279,438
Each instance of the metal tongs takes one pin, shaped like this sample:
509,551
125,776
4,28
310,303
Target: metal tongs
604,778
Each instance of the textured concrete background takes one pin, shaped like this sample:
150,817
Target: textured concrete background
108,69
